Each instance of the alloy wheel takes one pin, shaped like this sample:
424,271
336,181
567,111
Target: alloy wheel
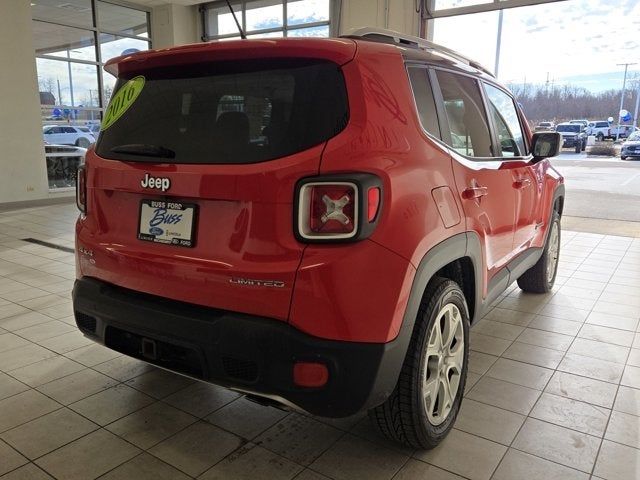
553,251
443,369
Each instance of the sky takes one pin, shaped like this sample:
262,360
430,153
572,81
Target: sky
576,42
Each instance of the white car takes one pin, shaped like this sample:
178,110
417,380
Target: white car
68,135
599,128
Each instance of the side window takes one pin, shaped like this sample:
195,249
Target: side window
419,78
505,118
68,130
465,111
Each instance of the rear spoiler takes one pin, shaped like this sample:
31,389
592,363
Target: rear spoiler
337,50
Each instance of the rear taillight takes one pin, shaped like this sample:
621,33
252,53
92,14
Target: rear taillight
329,210
337,208
81,189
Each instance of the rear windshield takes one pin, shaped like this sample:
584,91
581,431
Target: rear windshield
225,113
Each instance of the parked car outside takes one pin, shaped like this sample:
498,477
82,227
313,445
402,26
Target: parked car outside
583,122
600,129
335,267
573,136
625,131
94,128
545,127
68,135
631,146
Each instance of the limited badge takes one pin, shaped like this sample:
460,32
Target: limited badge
122,100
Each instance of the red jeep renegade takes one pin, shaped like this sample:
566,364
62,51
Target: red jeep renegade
313,222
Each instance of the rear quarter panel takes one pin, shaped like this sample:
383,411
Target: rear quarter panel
359,292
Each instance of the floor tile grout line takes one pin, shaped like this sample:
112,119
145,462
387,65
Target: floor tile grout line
538,399
528,416
595,460
143,452
510,341
29,462
615,397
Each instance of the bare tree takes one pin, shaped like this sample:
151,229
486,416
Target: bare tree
566,102
47,84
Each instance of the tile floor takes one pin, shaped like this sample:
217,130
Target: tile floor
553,390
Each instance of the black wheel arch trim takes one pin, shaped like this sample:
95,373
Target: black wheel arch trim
461,245
466,244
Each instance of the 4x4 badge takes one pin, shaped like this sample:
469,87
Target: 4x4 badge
160,183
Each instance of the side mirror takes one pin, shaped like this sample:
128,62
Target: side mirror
545,145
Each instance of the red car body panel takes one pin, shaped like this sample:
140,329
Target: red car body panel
356,292
245,231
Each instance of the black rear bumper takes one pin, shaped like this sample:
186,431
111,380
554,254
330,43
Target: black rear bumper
238,351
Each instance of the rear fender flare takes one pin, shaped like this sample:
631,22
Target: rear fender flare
466,244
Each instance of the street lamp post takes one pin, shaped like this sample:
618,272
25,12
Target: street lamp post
624,84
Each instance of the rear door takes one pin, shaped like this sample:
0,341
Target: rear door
191,186
484,182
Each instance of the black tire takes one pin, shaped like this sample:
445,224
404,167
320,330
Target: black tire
622,157
578,147
584,145
600,137
537,278
403,417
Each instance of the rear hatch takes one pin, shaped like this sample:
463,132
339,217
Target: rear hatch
190,188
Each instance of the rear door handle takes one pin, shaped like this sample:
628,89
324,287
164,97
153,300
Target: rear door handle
475,192
522,183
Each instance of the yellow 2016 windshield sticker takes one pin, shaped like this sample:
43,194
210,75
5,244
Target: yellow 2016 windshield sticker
122,100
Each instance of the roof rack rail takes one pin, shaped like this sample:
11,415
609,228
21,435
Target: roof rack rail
416,42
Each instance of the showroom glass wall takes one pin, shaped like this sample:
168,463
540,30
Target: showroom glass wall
268,18
564,43
72,41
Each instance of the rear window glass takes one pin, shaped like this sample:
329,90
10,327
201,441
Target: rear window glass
228,113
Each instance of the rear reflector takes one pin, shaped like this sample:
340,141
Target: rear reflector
81,189
310,374
373,202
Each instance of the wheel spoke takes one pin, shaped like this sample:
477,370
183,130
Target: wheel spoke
456,358
453,382
447,398
435,340
453,317
431,394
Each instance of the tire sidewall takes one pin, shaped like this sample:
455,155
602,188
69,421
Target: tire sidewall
431,433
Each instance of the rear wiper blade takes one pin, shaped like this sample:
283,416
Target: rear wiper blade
145,149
